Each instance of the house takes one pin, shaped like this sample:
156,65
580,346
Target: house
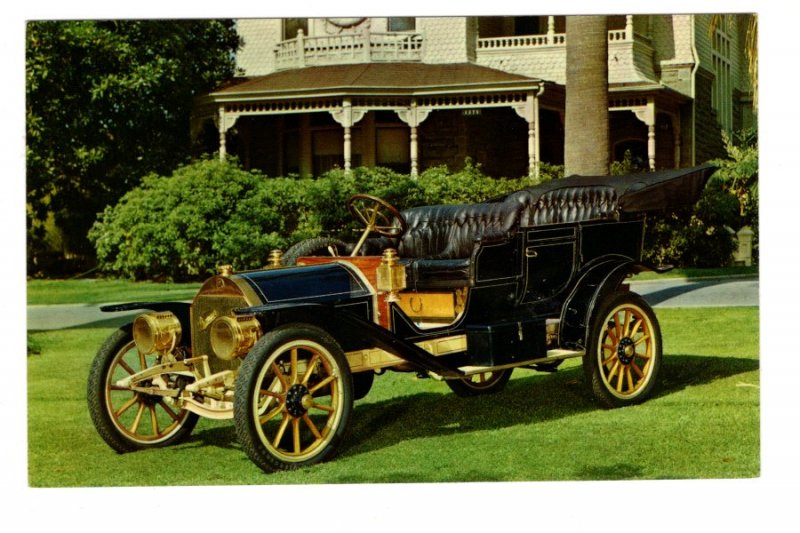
413,92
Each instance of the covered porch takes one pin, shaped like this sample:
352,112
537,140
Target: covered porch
405,116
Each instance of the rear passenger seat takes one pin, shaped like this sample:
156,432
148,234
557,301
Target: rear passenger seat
440,239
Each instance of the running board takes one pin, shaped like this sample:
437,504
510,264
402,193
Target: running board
552,356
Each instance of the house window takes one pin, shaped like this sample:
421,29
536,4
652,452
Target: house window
392,149
292,26
402,24
722,90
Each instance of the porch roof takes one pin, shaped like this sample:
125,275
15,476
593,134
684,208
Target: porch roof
407,79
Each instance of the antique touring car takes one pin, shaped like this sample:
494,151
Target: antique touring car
461,293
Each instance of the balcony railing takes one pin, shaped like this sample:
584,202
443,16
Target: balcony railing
545,39
303,51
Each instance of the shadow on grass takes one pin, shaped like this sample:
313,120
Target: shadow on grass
660,296
527,400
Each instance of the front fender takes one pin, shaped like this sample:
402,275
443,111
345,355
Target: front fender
350,331
602,277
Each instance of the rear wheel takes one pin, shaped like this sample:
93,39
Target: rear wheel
483,383
128,420
294,396
624,350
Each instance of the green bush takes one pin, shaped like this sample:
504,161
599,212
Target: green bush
213,212
183,226
703,236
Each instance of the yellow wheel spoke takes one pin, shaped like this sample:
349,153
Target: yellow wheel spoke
322,407
293,364
620,377
138,419
637,370
153,419
617,327
142,361
610,347
312,427
613,371
269,416
296,435
630,378
281,430
127,367
626,322
310,370
265,392
610,358
635,327
278,374
641,339
128,404
169,411
321,384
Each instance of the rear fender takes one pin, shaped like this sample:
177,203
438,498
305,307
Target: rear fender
599,279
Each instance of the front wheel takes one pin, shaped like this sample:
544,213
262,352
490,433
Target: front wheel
623,356
294,396
478,384
130,420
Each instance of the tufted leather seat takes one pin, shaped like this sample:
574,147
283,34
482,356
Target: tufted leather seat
571,204
440,239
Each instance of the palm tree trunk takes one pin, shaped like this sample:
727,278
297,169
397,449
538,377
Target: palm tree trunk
586,149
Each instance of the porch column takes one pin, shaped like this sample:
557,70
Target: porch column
224,121
647,114
347,117
413,116
551,29
628,27
529,110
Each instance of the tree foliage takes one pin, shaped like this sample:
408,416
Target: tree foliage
107,103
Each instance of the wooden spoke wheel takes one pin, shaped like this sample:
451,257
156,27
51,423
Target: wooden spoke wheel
483,383
129,420
294,396
624,352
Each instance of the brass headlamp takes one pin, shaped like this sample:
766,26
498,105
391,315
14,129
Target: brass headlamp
233,336
156,332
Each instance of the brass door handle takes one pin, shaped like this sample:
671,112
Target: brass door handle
530,251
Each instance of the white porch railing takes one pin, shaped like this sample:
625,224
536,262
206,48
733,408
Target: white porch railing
346,48
545,39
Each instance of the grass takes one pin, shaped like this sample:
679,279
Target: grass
96,291
698,273
702,422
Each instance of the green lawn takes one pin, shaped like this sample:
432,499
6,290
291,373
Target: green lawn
96,291
703,422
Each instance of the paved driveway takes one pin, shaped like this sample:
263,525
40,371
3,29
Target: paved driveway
725,292
728,292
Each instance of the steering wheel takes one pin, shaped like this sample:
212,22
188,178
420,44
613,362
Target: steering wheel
377,216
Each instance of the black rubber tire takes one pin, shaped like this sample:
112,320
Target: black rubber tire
98,396
616,315
468,387
311,247
258,368
362,383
